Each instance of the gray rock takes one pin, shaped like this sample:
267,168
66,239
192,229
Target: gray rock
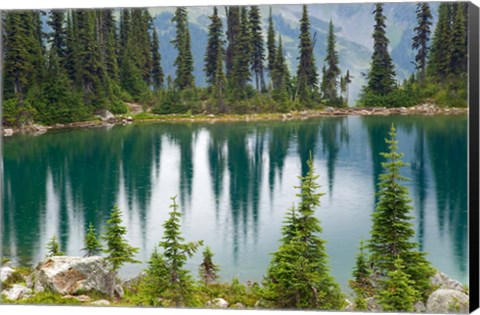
101,303
118,291
419,307
73,275
17,292
38,287
442,281
217,303
8,132
447,301
5,273
105,115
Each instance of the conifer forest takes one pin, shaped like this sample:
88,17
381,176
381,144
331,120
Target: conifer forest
207,117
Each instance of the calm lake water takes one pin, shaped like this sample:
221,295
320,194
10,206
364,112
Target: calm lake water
234,182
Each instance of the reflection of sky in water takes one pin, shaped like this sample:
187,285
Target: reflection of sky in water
234,183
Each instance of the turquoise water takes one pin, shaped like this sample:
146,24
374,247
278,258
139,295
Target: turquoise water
234,182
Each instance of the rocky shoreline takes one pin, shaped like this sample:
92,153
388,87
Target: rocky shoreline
79,280
105,118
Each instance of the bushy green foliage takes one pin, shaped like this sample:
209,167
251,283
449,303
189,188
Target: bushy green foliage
398,292
298,275
118,250
92,244
208,270
53,247
400,97
361,283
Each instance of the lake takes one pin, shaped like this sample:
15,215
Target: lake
234,183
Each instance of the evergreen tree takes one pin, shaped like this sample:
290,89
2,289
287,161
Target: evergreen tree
332,71
71,48
118,250
208,270
92,244
307,76
398,293
257,47
233,32
157,71
422,37
220,81
241,61
57,36
298,274
280,74
54,248
440,52
381,78
392,230
141,24
214,47
108,35
131,75
24,66
91,72
458,61
271,48
348,80
184,62
175,254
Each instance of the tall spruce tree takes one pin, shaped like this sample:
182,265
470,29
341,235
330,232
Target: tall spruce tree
184,62
57,36
108,34
458,61
157,71
91,72
233,33
241,61
332,71
257,47
215,48
440,52
307,76
392,232
298,274
220,81
280,74
421,38
271,47
381,77
130,73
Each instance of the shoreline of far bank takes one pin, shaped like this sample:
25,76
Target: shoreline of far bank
424,109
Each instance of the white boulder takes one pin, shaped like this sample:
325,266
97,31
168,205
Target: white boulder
72,275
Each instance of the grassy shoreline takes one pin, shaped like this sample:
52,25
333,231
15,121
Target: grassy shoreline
425,109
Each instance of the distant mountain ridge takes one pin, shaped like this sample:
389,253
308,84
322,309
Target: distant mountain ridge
353,28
